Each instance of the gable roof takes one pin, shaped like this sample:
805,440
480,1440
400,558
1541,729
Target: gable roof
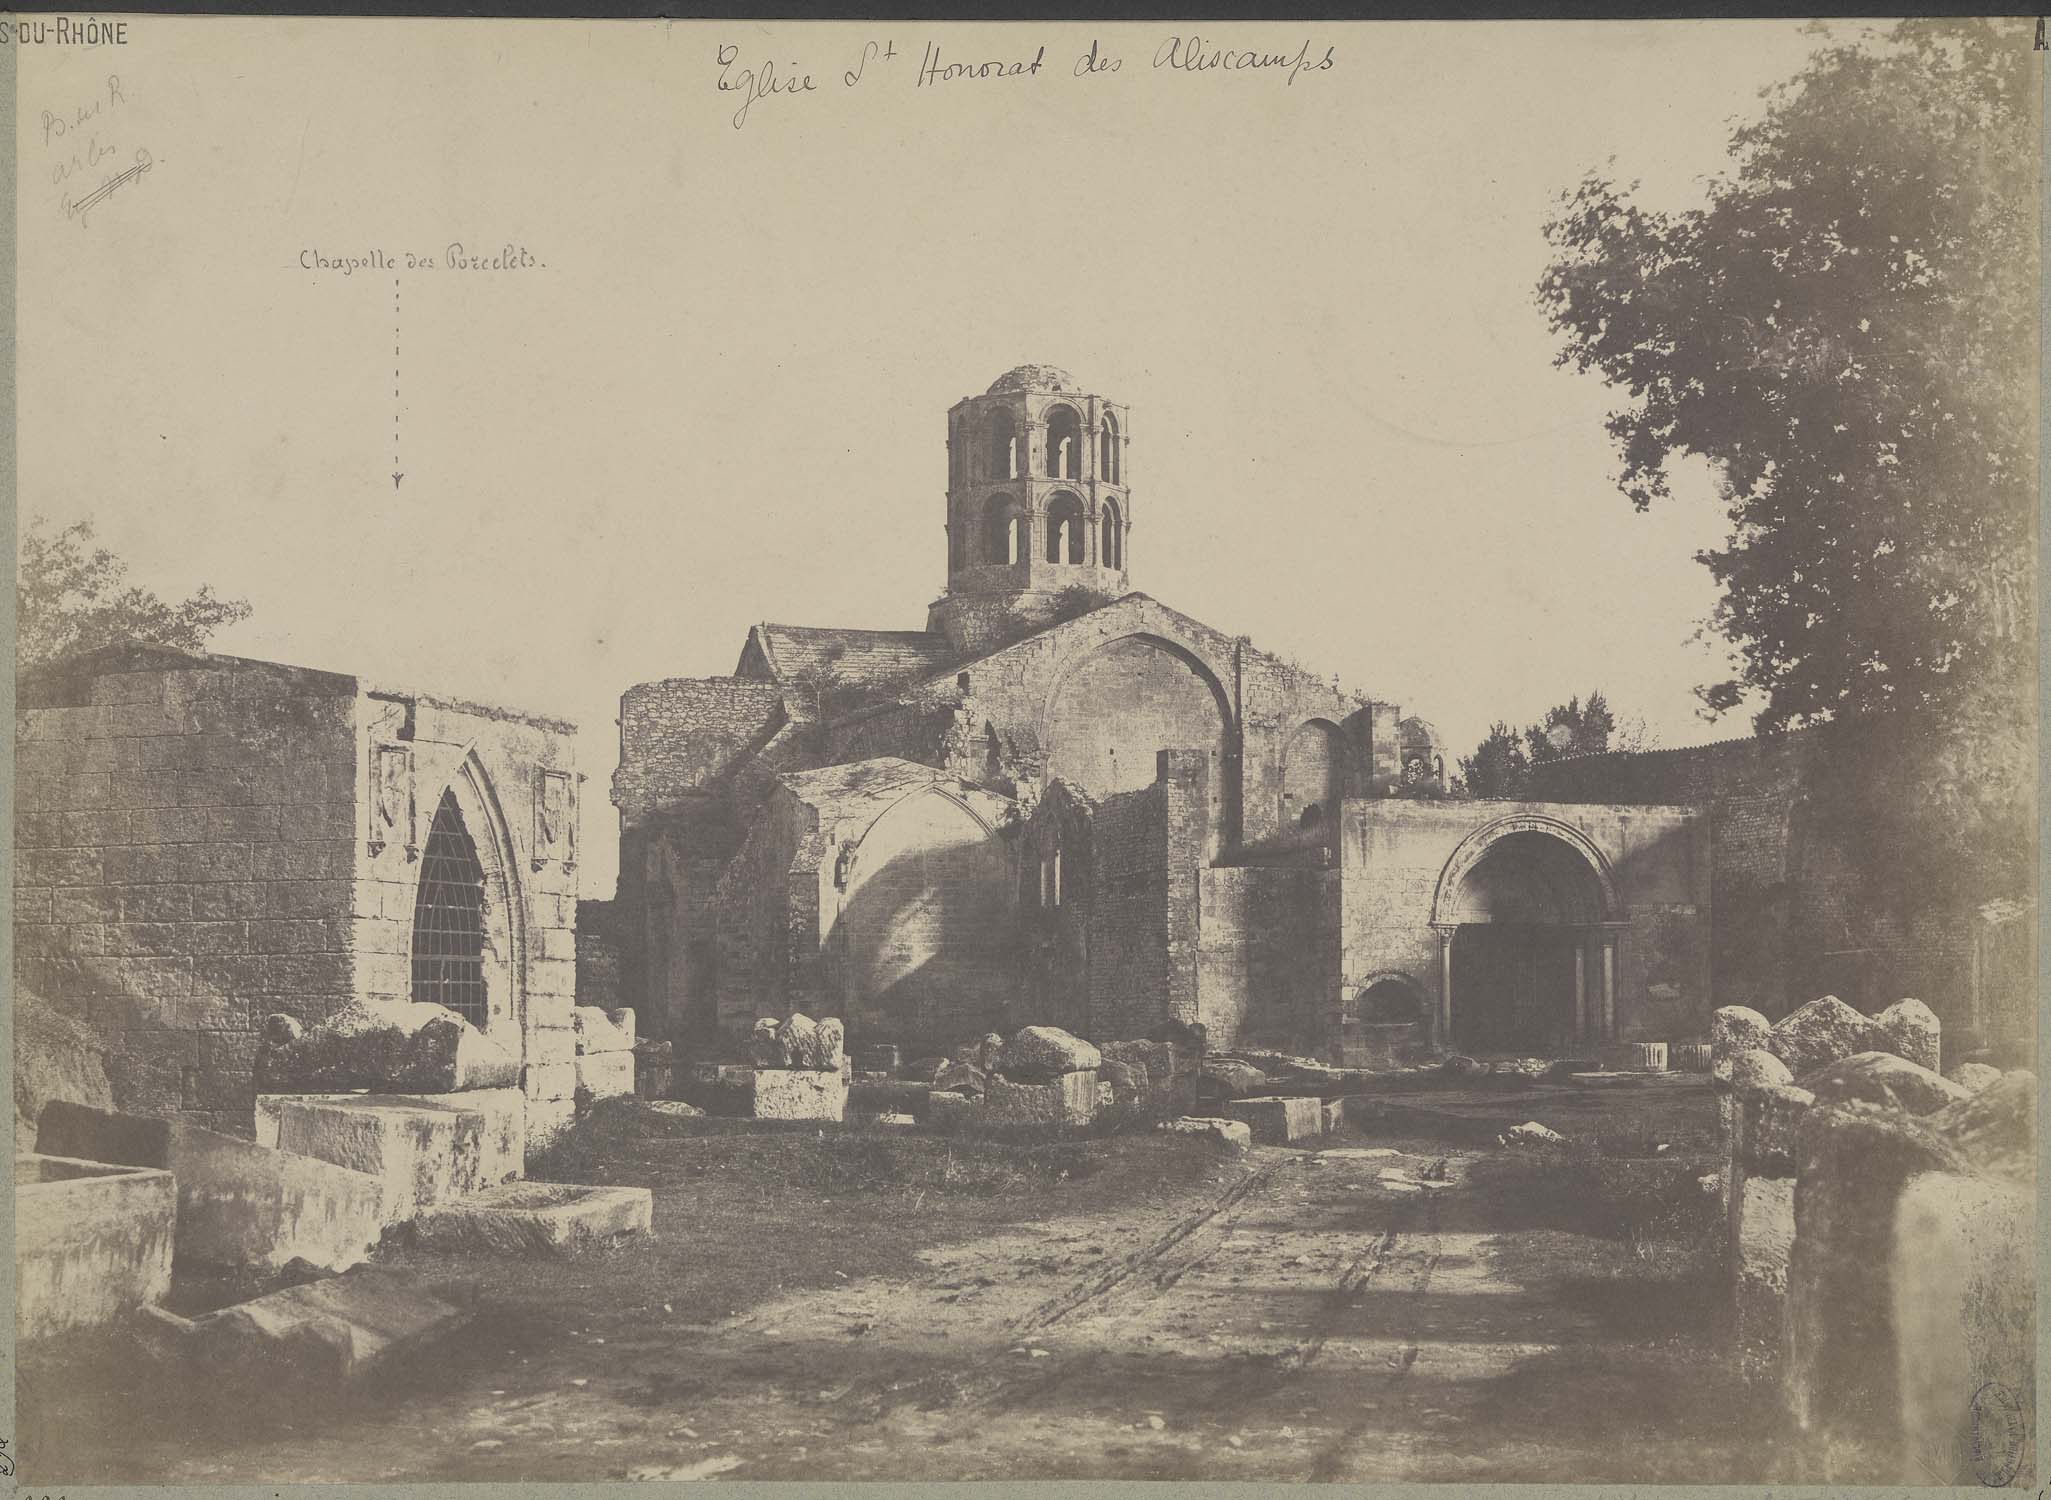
863,658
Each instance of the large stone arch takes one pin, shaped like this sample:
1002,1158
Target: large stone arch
505,911
1527,916
1114,708
923,947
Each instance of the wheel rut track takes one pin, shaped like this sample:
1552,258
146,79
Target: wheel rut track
1148,1257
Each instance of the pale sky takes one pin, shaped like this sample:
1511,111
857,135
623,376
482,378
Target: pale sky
720,396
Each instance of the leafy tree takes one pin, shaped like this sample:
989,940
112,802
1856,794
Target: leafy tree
1498,766
1501,764
1571,728
71,595
1846,333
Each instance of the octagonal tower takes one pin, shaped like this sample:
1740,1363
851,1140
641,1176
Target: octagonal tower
1036,504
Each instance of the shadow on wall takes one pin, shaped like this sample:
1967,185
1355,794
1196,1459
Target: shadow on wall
925,947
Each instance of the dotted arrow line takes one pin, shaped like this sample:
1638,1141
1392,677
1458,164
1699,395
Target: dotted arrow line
397,473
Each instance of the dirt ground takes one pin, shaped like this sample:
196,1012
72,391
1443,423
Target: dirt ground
875,1304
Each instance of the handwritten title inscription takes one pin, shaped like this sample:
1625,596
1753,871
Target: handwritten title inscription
749,81
81,146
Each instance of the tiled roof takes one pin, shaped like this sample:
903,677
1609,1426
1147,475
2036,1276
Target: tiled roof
857,657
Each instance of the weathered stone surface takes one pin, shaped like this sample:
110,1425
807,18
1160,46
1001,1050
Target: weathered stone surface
1913,1031
604,1075
960,1078
1996,1129
1757,1069
1762,1238
879,1059
1128,1085
925,1069
988,1050
1852,1162
551,1218
603,1030
1734,1029
1462,1066
765,1045
92,1242
1531,1133
797,1094
943,1106
1066,1099
1237,1078
1236,1136
1278,1120
799,1039
1883,1078
1819,1033
385,1046
829,1046
1525,1067
1770,1122
1973,1076
1042,1053
419,1152
1333,1112
1965,1315
239,1203
676,1109
1690,1057
57,1056
325,1335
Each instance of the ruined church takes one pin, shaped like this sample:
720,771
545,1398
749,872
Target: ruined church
1065,802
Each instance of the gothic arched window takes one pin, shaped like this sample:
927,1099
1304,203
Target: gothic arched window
448,919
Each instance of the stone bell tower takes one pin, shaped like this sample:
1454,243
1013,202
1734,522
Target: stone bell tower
1036,504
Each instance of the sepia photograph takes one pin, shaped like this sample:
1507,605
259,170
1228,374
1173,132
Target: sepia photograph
1263,751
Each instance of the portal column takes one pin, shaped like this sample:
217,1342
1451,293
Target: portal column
1445,1012
1609,986
1581,986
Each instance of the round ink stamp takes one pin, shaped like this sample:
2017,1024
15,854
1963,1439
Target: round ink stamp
2000,1430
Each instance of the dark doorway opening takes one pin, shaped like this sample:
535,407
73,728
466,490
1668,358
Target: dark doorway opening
1513,988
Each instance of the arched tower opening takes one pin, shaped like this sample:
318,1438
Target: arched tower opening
1067,530
1064,443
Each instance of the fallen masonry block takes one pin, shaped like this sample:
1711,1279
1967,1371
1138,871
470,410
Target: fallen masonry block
605,1075
1530,1133
600,1030
420,1152
1820,1033
552,1218
325,1335
1910,1029
390,1046
1234,1135
1360,1153
1333,1115
1279,1120
1884,1078
1046,1052
944,1105
1070,1099
92,1242
796,1094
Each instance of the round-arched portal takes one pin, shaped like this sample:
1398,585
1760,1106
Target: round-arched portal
1521,912
1118,709
922,940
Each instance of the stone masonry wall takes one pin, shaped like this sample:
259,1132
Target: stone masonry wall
183,854
1793,917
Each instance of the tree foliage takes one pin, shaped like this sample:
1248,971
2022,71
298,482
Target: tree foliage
1846,333
1501,764
73,595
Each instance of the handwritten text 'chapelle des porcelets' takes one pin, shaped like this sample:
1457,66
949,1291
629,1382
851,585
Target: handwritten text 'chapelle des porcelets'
750,79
